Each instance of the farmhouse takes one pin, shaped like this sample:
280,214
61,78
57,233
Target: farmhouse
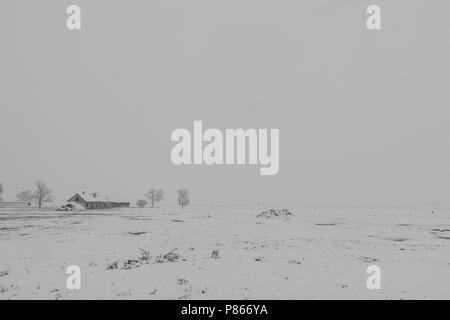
95,201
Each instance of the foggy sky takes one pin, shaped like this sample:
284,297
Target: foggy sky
363,115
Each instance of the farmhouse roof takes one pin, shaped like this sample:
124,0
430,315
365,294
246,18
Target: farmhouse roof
88,197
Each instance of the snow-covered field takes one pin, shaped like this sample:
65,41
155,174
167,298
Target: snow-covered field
225,253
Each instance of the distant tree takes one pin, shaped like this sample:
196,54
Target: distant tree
1,191
25,196
183,197
42,194
142,203
155,196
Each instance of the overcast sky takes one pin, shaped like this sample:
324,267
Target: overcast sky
363,115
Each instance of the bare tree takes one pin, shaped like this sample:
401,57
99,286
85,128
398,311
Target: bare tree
25,196
1,191
155,196
183,197
141,203
42,194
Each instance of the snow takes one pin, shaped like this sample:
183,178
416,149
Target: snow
225,253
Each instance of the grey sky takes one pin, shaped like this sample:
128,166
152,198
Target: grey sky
363,116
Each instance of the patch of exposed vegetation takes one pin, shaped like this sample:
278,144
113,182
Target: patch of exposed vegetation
275,213
137,233
398,239
4,273
145,258
367,259
171,256
112,265
294,261
440,230
215,254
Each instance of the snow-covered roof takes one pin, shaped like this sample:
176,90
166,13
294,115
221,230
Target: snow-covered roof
88,197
